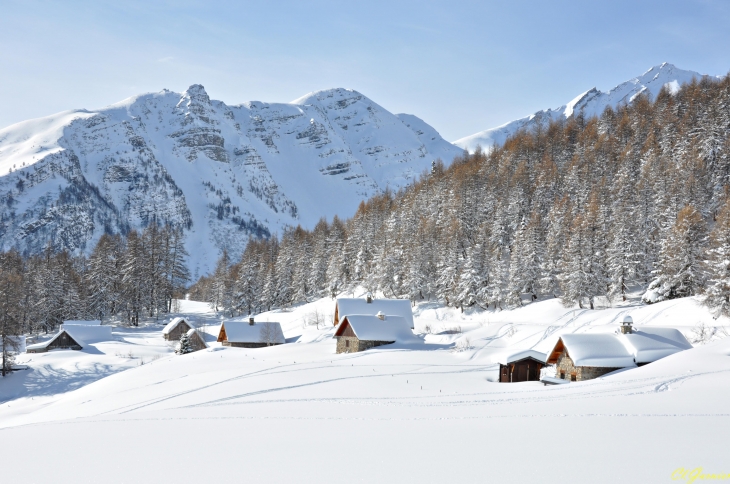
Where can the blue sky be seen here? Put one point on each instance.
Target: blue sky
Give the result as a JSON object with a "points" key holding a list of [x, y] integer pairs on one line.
{"points": [[462, 66]]}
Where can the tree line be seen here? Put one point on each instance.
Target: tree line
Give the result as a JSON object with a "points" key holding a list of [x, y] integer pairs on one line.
{"points": [[584, 209], [124, 277]]}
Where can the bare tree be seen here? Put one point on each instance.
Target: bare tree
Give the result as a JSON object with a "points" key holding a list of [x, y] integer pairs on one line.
{"points": [[270, 333]]}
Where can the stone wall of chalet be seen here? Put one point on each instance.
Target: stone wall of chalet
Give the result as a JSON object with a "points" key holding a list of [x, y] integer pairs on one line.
{"points": [[566, 370], [355, 345]]}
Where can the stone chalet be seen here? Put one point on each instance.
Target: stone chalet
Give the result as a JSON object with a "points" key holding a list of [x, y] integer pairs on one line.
{"points": [[370, 306], [359, 332], [175, 329], [196, 340], [241, 333], [579, 357]]}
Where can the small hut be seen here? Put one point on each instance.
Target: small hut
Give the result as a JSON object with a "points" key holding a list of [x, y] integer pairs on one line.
{"points": [[90, 333], [370, 306], [359, 332], [241, 333], [579, 357], [63, 340], [196, 340], [176, 328], [522, 366]]}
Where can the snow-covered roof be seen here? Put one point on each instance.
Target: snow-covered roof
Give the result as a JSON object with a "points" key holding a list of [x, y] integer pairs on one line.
{"points": [[371, 328], [389, 307], [602, 350], [651, 344], [192, 331], [618, 350], [240, 331], [508, 358], [173, 324], [88, 333], [45, 344], [83, 322]]}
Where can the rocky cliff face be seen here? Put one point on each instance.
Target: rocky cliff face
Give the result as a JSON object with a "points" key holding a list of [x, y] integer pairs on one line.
{"points": [[221, 172]]}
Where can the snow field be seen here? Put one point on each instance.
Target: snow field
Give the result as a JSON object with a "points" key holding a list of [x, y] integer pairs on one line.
{"points": [[400, 413]]}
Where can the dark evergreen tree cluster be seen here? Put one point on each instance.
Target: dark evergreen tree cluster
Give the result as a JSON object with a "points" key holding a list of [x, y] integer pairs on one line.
{"points": [[583, 209], [123, 278]]}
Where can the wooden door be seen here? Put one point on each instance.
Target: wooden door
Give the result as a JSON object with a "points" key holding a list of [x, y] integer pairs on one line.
{"points": [[521, 373], [504, 374]]}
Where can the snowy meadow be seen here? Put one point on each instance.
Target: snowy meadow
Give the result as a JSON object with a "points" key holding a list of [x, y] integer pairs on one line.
{"points": [[133, 411]]}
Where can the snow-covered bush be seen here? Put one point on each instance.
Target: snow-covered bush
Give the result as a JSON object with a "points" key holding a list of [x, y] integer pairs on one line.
{"points": [[462, 344], [702, 333], [548, 371]]}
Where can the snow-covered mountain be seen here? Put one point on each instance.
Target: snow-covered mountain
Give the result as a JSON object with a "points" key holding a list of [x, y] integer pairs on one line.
{"points": [[590, 103], [221, 172]]}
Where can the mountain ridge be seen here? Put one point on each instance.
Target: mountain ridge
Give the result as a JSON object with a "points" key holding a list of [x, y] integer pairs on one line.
{"points": [[222, 173], [591, 103]]}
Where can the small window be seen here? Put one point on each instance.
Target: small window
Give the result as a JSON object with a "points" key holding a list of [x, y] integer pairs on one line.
{"points": [[347, 343], [573, 377], [562, 375]]}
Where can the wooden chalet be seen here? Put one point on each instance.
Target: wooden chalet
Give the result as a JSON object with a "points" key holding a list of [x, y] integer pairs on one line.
{"points": [[64, 340], [370, 306], [176, 328], [579, 357], [359, 332], [239, 333], [522, 366]]}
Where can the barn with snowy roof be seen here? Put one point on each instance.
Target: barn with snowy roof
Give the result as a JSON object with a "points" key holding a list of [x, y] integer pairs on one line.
{"points": [[371, 306], [242, 333], [580, 357], [521, 366], [65, 339], [359, 332], [176, 328]]}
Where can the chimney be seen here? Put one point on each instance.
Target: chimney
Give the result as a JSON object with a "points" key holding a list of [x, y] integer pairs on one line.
{"points": [[369, 298], [250, 320], [626, 325], [381, 316]]}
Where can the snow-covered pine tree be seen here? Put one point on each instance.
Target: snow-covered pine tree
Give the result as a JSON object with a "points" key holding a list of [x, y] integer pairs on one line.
{"points": [[717, 292], [526, 261], [575, 281], [338, 274], [680, 269], [11, 276], [104, 276], [184, 346], [176, 271], [133, 277]]}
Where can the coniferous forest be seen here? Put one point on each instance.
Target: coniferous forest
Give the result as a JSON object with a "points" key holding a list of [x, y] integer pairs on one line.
{"points": [[586, 209]]}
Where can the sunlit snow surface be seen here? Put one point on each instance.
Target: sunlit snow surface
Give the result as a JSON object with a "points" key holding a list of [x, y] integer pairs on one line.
{"points": [[401, 413]]}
